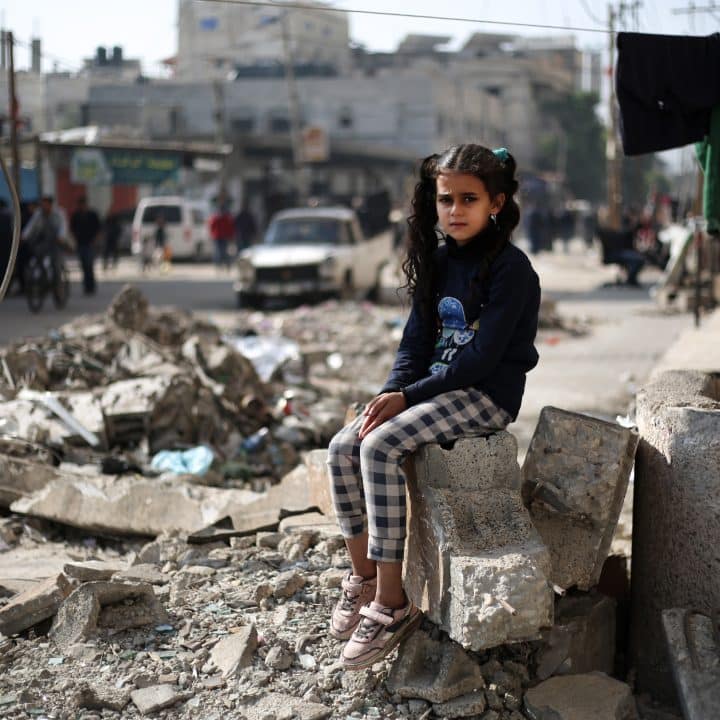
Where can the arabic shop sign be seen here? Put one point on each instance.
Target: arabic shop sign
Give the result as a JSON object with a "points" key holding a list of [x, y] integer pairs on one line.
{"points": [[93, 166]]}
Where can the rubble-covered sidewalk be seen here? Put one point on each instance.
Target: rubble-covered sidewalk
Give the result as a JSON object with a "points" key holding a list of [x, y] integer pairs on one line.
{"points": [[161, 558]]}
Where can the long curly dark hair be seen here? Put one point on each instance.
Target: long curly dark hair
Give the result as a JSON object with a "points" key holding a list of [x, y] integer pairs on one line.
{"points": [[497, 172]]}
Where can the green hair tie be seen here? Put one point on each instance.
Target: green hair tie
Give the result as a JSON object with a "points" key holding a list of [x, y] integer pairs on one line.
{"points": [[501, 154]]}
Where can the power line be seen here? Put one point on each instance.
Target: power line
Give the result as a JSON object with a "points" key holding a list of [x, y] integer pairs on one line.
{"points": [[384, 13], [590, 13], [58, 61]]}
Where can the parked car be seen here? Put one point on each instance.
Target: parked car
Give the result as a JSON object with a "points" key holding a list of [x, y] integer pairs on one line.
{"points": [[185, 226], [312, 253]]}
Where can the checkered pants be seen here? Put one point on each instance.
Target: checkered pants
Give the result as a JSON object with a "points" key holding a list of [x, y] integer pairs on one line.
{"points": [[366, 478]]}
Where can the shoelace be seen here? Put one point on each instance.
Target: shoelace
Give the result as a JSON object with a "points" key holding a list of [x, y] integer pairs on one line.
{"points": [[367, 628], [347, 601]]}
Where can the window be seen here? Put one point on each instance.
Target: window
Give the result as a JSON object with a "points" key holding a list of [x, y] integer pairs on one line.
{"points": [[279, 124], [307, 231], [345, 118], [171, 213], [245, 124]]}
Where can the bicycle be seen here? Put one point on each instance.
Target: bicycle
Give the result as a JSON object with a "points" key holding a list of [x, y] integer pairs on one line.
{"points": [[42, 276]]}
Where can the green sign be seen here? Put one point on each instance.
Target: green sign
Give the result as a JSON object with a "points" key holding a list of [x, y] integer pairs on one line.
{"points": [[94, 166], [141, 168]]}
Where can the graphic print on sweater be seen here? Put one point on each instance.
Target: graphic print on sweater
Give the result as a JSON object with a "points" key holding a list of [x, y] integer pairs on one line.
{"points": [[453, 335]]}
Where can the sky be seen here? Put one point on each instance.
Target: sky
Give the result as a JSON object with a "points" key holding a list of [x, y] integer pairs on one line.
{"points": [[146, 29]]}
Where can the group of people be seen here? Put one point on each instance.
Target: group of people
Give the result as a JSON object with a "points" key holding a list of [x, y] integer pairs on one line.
{"points": [[228, 230], [46, 231]]}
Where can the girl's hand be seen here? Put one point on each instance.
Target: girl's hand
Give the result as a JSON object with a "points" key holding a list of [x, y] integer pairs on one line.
{"points": [[382, 408]]}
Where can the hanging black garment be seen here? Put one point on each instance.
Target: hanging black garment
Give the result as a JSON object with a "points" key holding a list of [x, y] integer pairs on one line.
{"points": [[666, 87]]}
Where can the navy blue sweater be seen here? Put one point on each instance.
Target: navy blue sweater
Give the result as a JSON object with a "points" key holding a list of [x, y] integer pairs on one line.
{"points": [[482, 338]]}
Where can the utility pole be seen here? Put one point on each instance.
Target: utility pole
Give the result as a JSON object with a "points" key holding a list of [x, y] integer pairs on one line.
{"points": [[294, 111], [614, 186], [13, 106]]}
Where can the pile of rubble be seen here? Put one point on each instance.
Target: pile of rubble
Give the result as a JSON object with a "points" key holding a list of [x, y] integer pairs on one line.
{"points": [[225, 613], [240, 630]]}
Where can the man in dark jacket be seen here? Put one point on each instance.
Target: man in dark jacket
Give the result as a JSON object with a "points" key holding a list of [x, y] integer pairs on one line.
{"points": [[85, 227]]}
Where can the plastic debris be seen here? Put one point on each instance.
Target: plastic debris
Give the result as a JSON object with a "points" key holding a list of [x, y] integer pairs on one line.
{"points": [[195, 461]]}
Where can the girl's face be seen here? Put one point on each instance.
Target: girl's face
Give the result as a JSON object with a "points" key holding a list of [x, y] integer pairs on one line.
{"points": [[464, 205]]}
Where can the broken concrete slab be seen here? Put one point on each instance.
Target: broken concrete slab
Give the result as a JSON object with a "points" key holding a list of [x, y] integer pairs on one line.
{"points": [[478, 567], [235, 651], [575, 477], [319, 481], [101, 697], [694, 651], [128, 406], [144, 573], [582, 640], [35, 422], [468, 705], [323, 525], [291, 495], [156, 697], [131, 505], [91, 570], [433, 670], [279, 705], [23, 568], [20, 478], [34, 605], [105, 605], [593, 696]]}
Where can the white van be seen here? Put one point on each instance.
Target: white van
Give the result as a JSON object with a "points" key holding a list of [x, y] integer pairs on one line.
{"points": [[186, 230]]}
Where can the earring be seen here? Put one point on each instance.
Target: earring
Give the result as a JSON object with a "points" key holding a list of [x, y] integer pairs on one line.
{"points": [[493, 217]]}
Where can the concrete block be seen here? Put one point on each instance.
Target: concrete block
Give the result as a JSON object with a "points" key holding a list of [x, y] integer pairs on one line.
{"points": [[575, 477], [480, 463], [105, 605], [21, 478], [694, 651], [156, 697], [676, 517], [593, 696], [235, 651], [276, 705], [319, 481], [130, 505], [582, 640], [34, 605], [468, 705], [474, 562], [433, 670]]}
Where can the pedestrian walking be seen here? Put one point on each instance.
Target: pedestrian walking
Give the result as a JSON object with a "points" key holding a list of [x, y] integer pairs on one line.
{"points": [[111, 233], [85, 227], [245, 228], [222, 232], [459, 370]]}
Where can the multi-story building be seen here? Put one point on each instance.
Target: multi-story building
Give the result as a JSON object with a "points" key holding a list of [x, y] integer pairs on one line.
{"points": [[216, 38]]}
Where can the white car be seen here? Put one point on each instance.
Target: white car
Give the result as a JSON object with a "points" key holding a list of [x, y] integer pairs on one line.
{"points": [[312, 253], [186, 230]]}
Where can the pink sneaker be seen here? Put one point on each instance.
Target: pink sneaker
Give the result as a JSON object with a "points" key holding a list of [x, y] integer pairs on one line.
{"points": [[356, 592], [379, 631]]}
